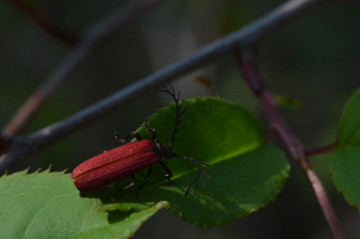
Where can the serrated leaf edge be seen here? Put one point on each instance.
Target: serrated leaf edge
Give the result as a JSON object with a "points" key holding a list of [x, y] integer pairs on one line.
{"points": [[39, 170], [231, 220]]}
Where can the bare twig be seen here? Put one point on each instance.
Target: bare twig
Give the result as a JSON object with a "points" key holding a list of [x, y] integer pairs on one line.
{"points": [[90, 39], [321, 150], [45, 21], [4, 145], [292, 144], [250, 35]]}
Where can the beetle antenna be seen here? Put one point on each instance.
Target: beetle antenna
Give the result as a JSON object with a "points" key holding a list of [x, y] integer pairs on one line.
{"points": [[179, 113]]}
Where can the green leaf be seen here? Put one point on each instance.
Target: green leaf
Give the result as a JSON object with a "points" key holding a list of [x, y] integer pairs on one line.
{"points": [[239, 186], [349, 129], [245, 174], [344, 164], [47, 205], [287, 102]]}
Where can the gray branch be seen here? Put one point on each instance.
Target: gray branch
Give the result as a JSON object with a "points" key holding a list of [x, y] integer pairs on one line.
{"points": [[249, 36], [90, 39]]}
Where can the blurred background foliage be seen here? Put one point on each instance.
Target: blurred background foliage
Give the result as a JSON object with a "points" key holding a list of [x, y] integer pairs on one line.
{"points": [[314, 60]]}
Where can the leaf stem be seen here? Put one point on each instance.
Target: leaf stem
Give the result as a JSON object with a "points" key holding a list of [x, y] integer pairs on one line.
{"points": [[45, 21], [321, 150], [251, 75]]}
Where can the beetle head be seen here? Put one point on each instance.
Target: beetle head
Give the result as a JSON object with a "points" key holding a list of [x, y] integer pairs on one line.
{"points": [[162, 150]]}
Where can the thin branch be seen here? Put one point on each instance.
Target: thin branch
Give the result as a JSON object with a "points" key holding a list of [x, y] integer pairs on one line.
{"points": [[321, 150], [90, 39], [4, 145], [45, 21], [250, 35], [292, 144]]}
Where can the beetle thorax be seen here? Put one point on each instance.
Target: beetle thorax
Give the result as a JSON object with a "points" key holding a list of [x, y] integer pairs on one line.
{"points": [[162, 150]]}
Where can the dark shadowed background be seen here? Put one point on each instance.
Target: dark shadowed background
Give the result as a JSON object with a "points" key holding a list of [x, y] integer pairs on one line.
{"points": [[315, 60]]}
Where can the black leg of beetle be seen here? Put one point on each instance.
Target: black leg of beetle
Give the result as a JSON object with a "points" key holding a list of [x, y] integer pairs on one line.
{"points": [[179, 113], [128, 137], [201, 166], [133, 180], [114, 194], [168, 174], [147, 179], [195, 181], [83, 193], [198, 163]]}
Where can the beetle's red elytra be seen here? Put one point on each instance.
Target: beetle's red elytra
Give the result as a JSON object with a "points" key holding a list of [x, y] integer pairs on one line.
{"points": [[114, 165], [128, 159]]}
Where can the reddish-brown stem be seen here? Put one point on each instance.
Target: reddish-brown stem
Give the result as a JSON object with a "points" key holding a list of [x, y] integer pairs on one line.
{"points": [[3, 144], [24, 113], [321, 150], [45, 21], [272, 135], [292, 144]]}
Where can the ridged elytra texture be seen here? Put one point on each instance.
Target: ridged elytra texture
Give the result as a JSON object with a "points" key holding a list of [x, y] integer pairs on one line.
{"points": [[114, 165]]}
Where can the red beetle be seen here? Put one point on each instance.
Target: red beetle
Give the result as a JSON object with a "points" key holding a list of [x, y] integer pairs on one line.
{"points": [[128, 159]]}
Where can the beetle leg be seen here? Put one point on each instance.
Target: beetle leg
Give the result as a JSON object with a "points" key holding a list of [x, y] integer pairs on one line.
{"points": [[201, 166], [133, 180], [169, 174], [147, 179], [195, 181], [127, 138], [83, 193]]}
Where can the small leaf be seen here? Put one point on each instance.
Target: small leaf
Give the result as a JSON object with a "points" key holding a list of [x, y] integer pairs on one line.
{"points": [[287, 102], [344, 164], [349, 129], [47, 205]]}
